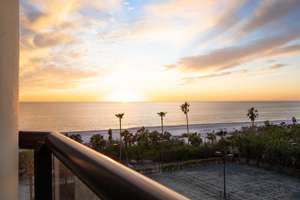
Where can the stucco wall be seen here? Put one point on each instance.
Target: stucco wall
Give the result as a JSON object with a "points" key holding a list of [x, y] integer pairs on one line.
{"points": [[9, 64]]}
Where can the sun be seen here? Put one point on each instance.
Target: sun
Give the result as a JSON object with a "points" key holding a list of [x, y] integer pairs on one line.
{"points": [[124, 96]]}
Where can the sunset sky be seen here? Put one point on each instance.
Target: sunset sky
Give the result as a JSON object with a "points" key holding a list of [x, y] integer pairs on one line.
{"points": [[143, 50]]}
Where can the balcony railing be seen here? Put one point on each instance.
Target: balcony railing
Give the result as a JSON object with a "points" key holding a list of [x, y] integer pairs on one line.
{"points": [[107, 178]]}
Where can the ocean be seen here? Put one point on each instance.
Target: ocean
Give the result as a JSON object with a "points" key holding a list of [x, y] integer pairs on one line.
{"points": [[95, 117]]}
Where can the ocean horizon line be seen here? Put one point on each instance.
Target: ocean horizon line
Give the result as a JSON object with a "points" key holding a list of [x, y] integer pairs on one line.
{"points": [[175, 101]]}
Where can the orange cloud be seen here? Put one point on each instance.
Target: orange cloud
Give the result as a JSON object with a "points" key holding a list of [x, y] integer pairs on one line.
{"points": [[277, 66], [232, 56], [52, 39], [286, 50], [53, 78]]}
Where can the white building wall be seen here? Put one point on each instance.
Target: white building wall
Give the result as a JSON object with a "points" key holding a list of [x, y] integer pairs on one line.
{"points": [[9, 64]]}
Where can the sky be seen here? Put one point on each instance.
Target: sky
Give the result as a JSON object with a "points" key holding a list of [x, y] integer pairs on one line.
{"points": [[159, 50]]}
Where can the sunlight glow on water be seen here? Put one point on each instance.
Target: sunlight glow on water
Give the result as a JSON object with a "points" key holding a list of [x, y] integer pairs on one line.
{"points": [[99, 116]]}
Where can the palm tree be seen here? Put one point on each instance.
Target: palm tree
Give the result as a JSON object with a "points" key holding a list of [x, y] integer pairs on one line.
{"points": [[142, 137], [97, 142], [267, 123], [185, 109], [154, 137], [110, 136], [166, 136], [127, 138], [211, 137], [252, 115], [120, 116], [195, 139], [294, 120], [162, 115]]}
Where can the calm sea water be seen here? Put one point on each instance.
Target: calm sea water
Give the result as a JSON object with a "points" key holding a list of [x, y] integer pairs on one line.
{"points": [[100, 116]]}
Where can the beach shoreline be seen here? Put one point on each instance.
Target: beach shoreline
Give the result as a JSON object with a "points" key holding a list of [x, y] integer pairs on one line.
{"points": [[177, 130]]}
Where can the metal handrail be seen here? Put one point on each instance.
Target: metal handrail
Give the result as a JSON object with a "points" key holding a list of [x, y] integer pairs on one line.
{"points": [[107, 178]]}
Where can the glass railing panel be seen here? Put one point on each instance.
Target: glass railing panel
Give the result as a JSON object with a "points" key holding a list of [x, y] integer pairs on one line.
{"points": [[66, 186], [26, 175]]}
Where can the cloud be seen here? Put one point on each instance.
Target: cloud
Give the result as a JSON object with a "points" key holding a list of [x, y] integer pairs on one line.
{"points": [[277, 66], [52, 39], [54, 13], [216, 12], [270, 11], [229, 16], [179, 22], [234, 55], [34, 15], [291, 49], [213, 75], [54, 77], [173, 22], [50, 14], [55, 23]]}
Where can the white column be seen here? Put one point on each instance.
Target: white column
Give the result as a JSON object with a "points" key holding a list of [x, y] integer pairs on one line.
{"points": [[9, 66]]}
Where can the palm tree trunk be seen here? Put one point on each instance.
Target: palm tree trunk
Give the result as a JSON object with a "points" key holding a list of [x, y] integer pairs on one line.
{"points": [[120, 122], [252, 123], [162, 125], [187, 126], [187, 123]]}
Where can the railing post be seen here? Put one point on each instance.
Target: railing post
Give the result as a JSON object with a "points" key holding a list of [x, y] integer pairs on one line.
{"points": [[42, 173]]}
